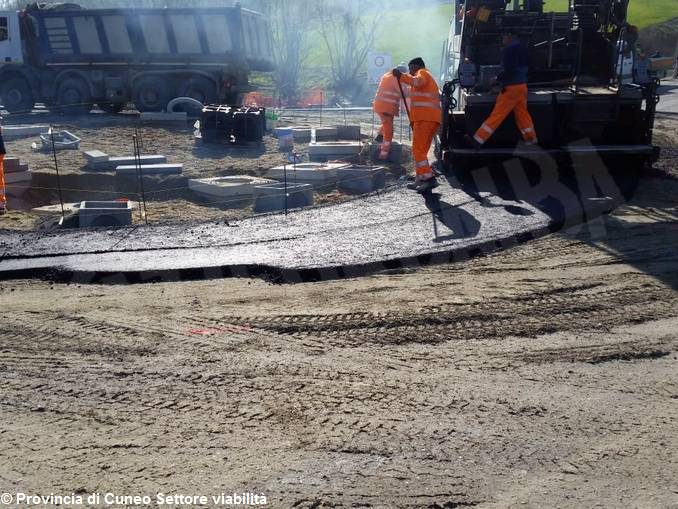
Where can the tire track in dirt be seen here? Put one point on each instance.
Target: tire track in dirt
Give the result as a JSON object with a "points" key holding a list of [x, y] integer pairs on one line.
{"points": [[597, 353], [569, 308]]}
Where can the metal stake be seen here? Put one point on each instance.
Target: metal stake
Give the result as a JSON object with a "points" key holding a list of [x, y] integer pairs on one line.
{"points": [[56, 167], [137, 160], [285, 180]]}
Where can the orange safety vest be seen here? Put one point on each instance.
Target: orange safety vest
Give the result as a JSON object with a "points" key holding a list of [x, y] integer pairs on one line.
{"points": [[388, 95], [424, 97]]}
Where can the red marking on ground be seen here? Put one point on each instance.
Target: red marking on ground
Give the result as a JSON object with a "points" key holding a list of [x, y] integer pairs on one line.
{"points": [[219, 330]]}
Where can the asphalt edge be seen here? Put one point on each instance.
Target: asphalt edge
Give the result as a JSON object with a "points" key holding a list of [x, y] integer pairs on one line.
{"points": [[278, 275]]}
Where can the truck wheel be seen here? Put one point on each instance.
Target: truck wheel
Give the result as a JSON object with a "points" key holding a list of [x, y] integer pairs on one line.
{"points": [[151, 94], [17, 96], [73, 97], [200, 89]]}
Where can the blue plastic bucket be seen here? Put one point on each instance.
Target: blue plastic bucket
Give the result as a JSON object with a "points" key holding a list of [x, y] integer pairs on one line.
{"points": [[285, 139]]}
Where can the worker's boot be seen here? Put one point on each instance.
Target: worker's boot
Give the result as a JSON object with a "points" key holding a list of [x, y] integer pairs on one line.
{"points": [[529, 144], [421, 186], [471, 142], [384, 150]]}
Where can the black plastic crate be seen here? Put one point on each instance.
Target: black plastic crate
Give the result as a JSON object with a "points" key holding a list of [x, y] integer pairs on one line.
{"points": [[230, 124]]}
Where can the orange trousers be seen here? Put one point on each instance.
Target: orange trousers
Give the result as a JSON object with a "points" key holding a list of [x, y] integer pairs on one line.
{"points": [[3, 198], [386, 130], [423, 132], [512, 99]]}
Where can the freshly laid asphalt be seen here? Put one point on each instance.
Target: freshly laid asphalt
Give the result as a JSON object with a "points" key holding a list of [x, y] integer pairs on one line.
{"points": [[389, 230]]}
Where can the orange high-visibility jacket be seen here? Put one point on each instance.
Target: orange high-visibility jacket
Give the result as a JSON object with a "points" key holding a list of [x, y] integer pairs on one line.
{"points": [[424, 100], [388, 95]]}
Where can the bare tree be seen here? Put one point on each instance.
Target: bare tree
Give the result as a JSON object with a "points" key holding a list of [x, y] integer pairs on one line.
{"points": [[290, 22], [348, 29]]}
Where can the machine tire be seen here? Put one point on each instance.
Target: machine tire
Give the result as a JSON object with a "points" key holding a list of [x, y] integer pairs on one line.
{"points": [[17, 96], [200, 89], [73, 97], [151, 94]]}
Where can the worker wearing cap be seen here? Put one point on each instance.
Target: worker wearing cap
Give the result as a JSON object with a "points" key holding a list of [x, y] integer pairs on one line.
{"points": [[513, 96], [3, 198], [387, 105], [425, 116]]}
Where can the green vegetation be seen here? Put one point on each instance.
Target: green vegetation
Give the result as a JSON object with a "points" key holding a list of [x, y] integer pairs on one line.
{"points": [[415, 32], [641, 12], [410, 32]]}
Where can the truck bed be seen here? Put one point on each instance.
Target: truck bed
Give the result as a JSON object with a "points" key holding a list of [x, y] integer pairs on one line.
{"points": [[210, 36]]}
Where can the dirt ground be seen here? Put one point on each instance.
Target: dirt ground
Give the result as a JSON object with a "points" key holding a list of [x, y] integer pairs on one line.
{"points": [[168, 199], [544, 376]]}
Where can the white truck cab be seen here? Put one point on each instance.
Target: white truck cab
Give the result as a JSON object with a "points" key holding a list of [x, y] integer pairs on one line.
{"points": [[10, 38]]}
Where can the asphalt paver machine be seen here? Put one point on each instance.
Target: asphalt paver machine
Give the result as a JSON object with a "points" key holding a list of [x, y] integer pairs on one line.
{"points": [[581, 95]]}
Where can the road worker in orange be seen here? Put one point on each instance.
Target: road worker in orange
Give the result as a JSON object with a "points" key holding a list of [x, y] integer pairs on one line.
{"points": [[425, 116], [387, 105], [513, 96], [3, 198]]}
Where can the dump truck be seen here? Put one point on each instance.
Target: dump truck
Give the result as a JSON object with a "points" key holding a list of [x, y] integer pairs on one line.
{"points": [[68, 57], [580, 96]]}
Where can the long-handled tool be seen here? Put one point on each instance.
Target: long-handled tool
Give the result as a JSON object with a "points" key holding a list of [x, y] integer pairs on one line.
{"points": [[402, 94]]}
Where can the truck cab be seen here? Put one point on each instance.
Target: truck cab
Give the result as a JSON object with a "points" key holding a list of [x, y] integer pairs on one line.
{"points": [[10, 38]]}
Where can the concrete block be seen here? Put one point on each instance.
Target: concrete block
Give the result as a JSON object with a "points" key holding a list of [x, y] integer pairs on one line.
{"points": [[11, 164], [271, 197], [361, 179], [155, 116], [105, 213], [12, 132], [303, 134], [59, 140], [150, 169], [325, 133], [235, 189], [69, 208], [55, 210], [348, 132], [394, 156], [321, 175], [327, 150], [321, 133], [95, 157], [113, 162]]}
